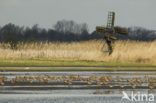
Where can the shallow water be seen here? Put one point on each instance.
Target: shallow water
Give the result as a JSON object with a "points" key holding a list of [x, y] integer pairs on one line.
{"points": [[70, 96], [9, 95]]}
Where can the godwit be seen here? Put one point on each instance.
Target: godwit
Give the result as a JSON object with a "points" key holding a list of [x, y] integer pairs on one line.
{"points": [[98, 83], [133, 86], [1, 82], [110, 85], [121, 86], [151, 85]]}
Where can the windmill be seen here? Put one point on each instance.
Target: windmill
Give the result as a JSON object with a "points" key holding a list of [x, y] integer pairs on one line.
{"points": [[109, 32]]}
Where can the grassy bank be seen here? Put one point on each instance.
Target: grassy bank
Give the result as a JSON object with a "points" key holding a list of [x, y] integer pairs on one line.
{"points": [[41, 62], [84, 69]]}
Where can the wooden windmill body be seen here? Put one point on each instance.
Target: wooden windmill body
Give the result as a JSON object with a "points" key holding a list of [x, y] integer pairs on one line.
{"points": [[109, 32]]}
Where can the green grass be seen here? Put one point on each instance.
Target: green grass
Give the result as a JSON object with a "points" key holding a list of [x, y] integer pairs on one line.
{"points": [[77, 69], [47, 62]]}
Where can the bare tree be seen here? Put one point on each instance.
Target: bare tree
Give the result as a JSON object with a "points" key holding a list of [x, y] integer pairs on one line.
{"points": [[65, 26]]}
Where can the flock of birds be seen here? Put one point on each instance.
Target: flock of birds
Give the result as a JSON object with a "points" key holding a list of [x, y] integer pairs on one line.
{"points": [[108, 81]]}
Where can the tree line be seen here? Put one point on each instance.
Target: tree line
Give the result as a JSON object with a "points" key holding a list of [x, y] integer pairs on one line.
{"points": [[65, 31]]}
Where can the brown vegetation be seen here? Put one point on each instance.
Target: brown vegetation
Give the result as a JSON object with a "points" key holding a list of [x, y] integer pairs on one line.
{"points": [[124, 51]]}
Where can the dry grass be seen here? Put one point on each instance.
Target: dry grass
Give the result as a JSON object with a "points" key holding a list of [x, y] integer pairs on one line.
{"points": [[124, 51]]}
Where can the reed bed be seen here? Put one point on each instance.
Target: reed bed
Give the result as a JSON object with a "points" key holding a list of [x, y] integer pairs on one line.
{"points": [[124, 51]]}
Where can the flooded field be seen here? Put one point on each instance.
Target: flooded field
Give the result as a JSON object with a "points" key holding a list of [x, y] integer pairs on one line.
{"points": [[75, 86]]}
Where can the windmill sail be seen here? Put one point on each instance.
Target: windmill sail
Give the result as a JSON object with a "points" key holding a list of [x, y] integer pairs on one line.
{"points": [[111, 19]]}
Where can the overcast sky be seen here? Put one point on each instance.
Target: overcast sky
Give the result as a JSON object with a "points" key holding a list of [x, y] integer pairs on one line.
{"points": [[93, 12]]}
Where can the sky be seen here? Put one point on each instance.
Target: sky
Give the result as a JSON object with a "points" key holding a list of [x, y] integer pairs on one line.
{"points": [[93, 12]]}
